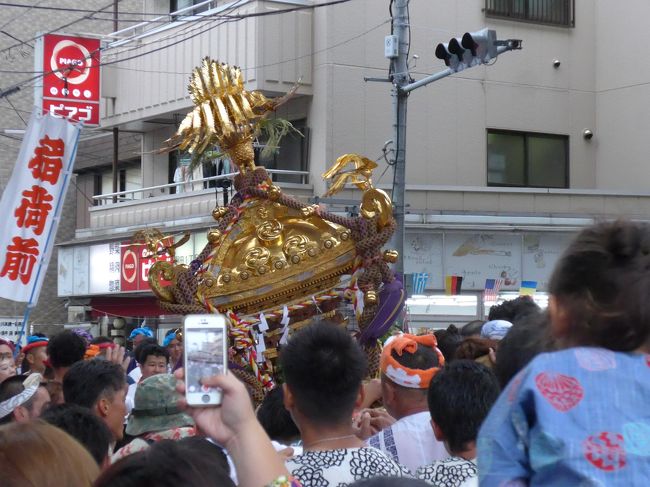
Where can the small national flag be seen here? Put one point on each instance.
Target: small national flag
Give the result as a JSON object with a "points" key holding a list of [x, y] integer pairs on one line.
{"points": [[420, 282], [528, 288], [492, 288], [453, 285]]}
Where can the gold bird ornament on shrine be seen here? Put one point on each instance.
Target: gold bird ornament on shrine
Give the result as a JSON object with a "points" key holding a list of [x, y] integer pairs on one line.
{"points": [[375, 202], [360, 174]]}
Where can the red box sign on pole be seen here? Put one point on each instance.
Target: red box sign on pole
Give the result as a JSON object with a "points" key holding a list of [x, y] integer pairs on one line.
{"points": [[71, 90], [130, 266]]}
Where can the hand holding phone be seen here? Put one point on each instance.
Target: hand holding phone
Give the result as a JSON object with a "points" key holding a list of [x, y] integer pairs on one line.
{"points": [[206, 354]]}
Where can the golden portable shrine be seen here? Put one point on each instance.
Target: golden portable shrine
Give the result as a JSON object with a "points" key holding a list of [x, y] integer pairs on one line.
{"points": [[272, 262]]}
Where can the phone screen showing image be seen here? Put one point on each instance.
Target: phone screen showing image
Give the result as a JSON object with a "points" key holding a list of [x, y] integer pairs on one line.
{"points": [[204, 349]]}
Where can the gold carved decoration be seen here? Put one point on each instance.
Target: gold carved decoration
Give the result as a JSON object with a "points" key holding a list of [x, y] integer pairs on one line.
{"points": [[286, 248], [158, 243], [269, 230], [257, 257], [359, 175], [375, 202], [296, 244], [167, 271]]}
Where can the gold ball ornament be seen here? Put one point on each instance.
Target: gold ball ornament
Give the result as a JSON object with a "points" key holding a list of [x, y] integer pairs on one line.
{"points": [[219, 212], [274, 192], [310, 210], [214, 236], [371, 297], [391, 256]]}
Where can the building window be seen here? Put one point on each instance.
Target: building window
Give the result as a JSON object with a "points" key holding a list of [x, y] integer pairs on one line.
{"points": [[293, 155], [176, 5], [527, 159], [552, 12], [97, 188]]}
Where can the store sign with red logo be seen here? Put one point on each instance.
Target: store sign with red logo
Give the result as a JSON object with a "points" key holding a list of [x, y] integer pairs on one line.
{"points": [[71, 89], [136, 262]]}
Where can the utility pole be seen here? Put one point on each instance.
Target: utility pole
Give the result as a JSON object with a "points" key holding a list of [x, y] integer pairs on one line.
{"points": [[474, 49], [116, 131], [400, 78]]}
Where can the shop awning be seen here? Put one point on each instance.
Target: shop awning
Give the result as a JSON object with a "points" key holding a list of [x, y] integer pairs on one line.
{"points": [[125, 307]]}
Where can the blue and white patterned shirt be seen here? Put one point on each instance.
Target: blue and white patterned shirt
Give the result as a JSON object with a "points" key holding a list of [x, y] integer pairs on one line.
{"points": [[577, 417]]}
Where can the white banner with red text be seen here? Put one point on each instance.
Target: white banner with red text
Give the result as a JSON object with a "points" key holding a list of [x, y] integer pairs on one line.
{"points": [[31, 205]]}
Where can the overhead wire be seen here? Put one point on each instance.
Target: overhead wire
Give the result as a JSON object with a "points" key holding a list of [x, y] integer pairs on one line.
{"points": [[72, 9], [231, 18], [176, 33], [153, 14], [81, 19], [24, 12], [57, 28], [235, 18], [15, 110], [41, 74]]}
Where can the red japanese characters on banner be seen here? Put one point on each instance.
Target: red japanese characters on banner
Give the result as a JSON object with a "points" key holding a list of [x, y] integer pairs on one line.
{"points": [[71, 89], [136, 261], [30, 204]]}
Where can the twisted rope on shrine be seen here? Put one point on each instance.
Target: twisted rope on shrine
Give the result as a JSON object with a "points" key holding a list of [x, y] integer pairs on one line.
{"points": [[244, 343]]}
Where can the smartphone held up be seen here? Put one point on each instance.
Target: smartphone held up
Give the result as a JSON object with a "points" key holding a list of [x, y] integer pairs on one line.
{"points": [[206, 354]]}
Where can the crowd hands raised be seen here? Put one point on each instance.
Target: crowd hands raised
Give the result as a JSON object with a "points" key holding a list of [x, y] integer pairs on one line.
{"points": [[529, 397]]}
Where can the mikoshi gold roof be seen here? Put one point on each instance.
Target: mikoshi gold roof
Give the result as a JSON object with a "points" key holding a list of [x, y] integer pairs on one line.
{"points": [[269, 256]]}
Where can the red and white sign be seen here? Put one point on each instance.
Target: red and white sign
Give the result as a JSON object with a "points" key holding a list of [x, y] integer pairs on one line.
{"points": [[31, 205], [71, 89], [136, 263]]}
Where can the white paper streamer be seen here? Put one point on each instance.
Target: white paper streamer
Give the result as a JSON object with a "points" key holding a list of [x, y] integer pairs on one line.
{"points": [[360, 297], [263, 326], [284, 339], [285, 315], [260, 348]]}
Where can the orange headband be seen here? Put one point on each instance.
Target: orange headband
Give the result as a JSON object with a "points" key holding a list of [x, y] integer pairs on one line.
{"points": [[404, 376], [93, 350]]}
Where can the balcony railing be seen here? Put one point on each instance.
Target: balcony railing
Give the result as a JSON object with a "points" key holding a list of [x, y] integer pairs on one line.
{"points": [[189, 186], [549, 12], [162, 22]]}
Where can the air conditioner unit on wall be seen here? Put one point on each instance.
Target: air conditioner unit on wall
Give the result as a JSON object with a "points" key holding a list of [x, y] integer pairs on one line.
{"points": [[76, 314]]}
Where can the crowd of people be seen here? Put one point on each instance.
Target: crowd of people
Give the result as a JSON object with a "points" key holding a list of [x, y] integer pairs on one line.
{"points": [[528, 397]]}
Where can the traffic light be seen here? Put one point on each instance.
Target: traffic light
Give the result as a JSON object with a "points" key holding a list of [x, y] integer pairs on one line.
{"points": [[472, 49], [453, 54]]}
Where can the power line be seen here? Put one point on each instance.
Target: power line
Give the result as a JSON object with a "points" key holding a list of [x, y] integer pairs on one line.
{"points": [[313, 53], [85, 17], [152, 14], [176, 33], [43, 74], [71, 9], [185, 38], [17, 112], [15, 38], [13, 19]]}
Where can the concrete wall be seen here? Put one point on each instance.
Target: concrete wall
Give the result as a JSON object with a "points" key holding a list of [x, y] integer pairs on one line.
{"points": [[273, 51], [622, 96], [447, 120]]}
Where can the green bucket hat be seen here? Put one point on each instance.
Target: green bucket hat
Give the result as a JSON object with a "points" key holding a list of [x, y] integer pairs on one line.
{"points": [[156, 407]]}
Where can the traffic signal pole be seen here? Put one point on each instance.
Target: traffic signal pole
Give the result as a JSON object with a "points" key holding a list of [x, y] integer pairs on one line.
{"points": [[474, 49], [400, 78]]}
